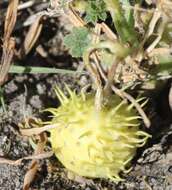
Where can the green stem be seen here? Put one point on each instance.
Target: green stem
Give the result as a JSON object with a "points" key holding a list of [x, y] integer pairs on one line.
{"points": [[41, 70], [124, 29]]}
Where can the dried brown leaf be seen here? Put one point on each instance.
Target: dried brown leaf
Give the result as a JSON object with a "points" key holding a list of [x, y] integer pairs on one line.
{"points": [[8, 41], [7, 55], [10, 19], [31, 37], [30, 174]]}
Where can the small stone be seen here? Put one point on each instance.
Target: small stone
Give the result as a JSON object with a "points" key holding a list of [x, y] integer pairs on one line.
{"points": [[40, 89], [36, 102]]}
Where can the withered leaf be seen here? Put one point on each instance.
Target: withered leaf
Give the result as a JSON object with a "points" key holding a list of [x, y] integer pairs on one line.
{"points": [[8, 41], [31, 37]]}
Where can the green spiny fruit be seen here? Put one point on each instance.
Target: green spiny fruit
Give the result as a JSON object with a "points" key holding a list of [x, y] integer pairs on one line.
{"points": [[91, 143]]}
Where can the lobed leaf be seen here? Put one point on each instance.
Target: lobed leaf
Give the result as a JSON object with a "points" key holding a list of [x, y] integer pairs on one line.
{"points": [[77, 41], [95, 10]]}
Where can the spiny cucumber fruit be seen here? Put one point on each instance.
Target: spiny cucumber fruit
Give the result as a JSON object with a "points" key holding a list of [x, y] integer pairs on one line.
{"points": [[91, 143]]}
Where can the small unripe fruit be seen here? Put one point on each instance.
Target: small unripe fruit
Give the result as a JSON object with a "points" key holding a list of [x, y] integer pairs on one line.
{"points": [[91, 143]]}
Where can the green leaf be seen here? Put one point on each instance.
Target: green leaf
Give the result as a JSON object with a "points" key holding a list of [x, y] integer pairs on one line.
{"points": [[77, 41], [123, 22], [95, 10], [40, 70], [128, 12]]}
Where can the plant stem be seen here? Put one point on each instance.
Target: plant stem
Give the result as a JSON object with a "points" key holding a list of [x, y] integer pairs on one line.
{"points": [[124, 29], [41, 70]]}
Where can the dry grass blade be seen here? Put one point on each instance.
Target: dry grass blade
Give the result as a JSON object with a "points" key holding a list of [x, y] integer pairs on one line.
{"points": [[8, 42], [124, 95], [7, 55], [10, 162], [105, 28], [10, 19], [19, 161], [31, 36], [37, 130], [74, 18], [29, 177]]}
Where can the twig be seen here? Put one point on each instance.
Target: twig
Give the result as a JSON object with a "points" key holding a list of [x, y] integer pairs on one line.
{"points": [[124, 94], [37, 130], [18, 162], [26, 5]]}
